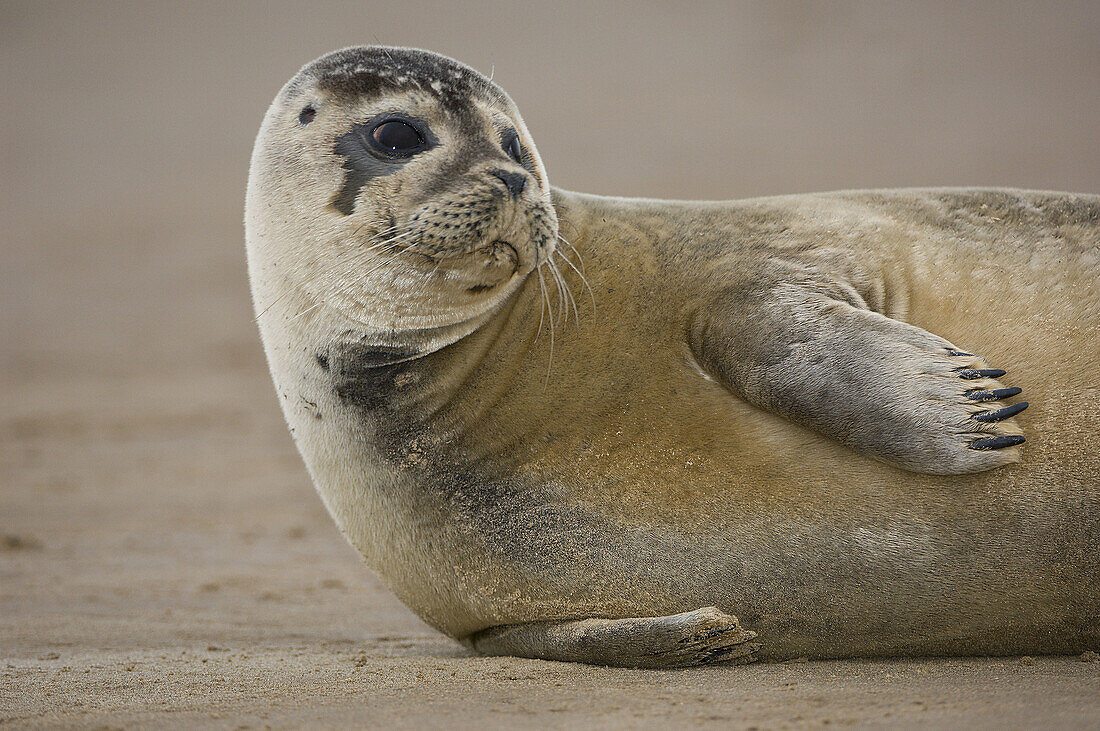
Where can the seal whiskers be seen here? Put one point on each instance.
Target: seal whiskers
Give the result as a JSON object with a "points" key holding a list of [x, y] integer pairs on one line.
{"points": [[549, 322], [579, 272]]}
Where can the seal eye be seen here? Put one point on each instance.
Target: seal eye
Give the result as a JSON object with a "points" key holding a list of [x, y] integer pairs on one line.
{"points": [[514, 149], [396, 138], [306, 116]]}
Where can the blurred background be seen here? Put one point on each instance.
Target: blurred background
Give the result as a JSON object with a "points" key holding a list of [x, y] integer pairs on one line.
{"points": [[149, 493]]}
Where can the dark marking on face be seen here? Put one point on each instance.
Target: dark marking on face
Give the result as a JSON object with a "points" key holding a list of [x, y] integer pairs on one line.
{"points": [[363, 163], [371, 71], [307, 115], [322, 360]]}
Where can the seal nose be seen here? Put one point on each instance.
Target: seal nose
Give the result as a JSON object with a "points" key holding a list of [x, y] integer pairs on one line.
{"points": [[515, 182]]}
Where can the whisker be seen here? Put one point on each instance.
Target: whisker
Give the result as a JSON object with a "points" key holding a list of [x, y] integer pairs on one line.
{"points": [[567, 295], [568, 291], [273, 303], [375, 243], [380, 232], [561, 288], [542, 308], [580, 274], [427, 280], [571, 248], [389, 260], [550, 323], [357, 277], [306, 311]]}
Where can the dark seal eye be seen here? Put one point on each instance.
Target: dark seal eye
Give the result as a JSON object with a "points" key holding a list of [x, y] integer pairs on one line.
{"points": [[514, 149], [396, 138], [307, 115]]}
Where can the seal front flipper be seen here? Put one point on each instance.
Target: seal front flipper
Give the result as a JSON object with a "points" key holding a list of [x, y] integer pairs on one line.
{"points": [[705, 636], [811, 353]]}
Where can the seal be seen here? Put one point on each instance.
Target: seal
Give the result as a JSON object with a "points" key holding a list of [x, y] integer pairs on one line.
{"points": [[659, 433]]}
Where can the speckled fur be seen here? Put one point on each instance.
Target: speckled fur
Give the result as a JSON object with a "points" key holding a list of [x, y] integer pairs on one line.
{"points": [[679, 450]]}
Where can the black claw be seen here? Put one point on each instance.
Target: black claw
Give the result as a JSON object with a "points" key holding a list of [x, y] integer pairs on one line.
{"points": [[997, 442], [952, 351], [999, 414], [995, 395], [971, 373]]}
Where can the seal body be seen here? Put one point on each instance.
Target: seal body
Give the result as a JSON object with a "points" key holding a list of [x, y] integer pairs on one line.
{"points": [[784, 407]]}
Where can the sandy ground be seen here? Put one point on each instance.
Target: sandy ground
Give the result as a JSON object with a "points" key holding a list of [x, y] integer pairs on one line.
{"points": [[163, 558]]}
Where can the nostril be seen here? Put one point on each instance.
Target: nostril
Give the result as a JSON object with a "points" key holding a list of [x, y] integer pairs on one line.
{"points": [[515, 182]]}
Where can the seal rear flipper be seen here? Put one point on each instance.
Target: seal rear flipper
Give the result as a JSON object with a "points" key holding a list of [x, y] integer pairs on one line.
{"points": [[883, 387], [705, 636]]}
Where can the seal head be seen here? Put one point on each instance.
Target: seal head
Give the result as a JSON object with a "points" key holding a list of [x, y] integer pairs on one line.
{"points": [[408, 193]]}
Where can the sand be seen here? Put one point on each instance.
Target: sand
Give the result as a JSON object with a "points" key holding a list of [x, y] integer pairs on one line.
{"points": [[163, 557]]}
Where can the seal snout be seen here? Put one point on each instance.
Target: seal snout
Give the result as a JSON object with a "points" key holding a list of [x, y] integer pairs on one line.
{"points": [[514, 182]]}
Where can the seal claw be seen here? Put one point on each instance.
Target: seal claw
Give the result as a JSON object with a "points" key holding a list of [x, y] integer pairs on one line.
{"points": [[1005, 413], [997, 442], [971, 373], [995, 395]]}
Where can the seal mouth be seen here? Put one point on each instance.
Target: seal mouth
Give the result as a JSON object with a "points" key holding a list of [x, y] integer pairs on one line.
{"points": [[502, 247], [500, 256]]}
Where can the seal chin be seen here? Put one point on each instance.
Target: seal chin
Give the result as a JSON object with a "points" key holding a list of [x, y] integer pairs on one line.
{"points": [[488, 268], [495, 265], [504, 253]]}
